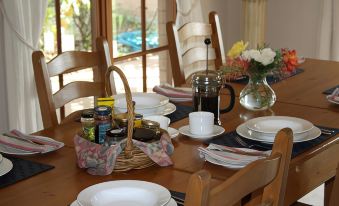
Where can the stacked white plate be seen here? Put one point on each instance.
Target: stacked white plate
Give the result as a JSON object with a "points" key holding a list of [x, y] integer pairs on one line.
{"points": [[5, 165], [146, 104], [265, 128], [125, 193]]}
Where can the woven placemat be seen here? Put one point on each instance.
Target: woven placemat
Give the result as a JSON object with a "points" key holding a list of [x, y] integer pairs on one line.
{"points": [[22, 169], [330, 90], [270, 79], [228, 139], [179, 197], [181, 112]]}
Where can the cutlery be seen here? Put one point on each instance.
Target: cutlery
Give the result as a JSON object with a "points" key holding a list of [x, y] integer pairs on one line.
{"points": [[238, 151], [178, 200], [251, 146], [326, 130]]}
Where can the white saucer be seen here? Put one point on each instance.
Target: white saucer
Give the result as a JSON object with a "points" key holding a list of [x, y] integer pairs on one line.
{"points": [[170, 203], [217, 130], [5, 166], [172, 132], [163, 110]]}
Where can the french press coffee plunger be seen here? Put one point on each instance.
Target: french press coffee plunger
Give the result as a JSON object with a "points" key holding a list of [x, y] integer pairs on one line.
{"points": [[206, 91]]}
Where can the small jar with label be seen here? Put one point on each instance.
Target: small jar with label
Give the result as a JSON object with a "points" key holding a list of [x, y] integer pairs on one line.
{"points": [[113, 136], [88, 124], [103, 121]]}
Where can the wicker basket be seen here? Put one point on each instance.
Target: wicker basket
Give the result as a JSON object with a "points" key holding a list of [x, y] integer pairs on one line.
{"points": [[132, 157]]}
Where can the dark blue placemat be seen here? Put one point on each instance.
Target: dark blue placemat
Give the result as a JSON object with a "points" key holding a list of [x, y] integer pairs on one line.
{"points": [[270, 79], [22, 169], [179, 197], [229, 139], [181, 112], [330, 91]]}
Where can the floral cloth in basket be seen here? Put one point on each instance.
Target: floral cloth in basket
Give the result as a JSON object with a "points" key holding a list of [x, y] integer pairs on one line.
{"points": [[100, 159]]}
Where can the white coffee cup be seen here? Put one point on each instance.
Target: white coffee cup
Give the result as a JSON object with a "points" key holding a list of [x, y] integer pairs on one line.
{"points": [[201, 123], [162, 120]]}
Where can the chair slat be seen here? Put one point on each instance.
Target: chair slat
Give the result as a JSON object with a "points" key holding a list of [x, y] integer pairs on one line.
{"points": [[75, 90], [71, 60], [194, 29], [197, 54]]}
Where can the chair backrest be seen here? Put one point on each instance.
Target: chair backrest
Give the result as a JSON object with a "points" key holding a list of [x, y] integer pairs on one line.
{"points": [[70, 61], [188, 51], [265, 179], [334, 198]]}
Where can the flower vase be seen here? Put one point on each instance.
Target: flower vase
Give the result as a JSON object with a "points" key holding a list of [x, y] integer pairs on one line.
{"points": [[257, 94]]}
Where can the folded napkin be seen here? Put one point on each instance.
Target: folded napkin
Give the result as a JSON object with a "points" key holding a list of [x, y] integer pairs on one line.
{"points": [[175, 94], [32, 143], [231, 157], [101, 159], [334, 96]]}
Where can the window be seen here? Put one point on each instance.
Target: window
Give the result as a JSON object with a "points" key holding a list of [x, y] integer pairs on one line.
{"points": [[140, 41], [136, 29]]}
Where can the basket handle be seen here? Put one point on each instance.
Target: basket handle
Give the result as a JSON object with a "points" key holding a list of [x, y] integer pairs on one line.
{"points": [[130, 108]]}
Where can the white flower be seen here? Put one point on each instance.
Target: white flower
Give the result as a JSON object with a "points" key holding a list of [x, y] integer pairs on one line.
{"points": [[248, 55], [267, 56]]}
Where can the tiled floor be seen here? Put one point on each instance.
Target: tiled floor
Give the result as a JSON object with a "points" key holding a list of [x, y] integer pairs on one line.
{"points": [[315, 198]]}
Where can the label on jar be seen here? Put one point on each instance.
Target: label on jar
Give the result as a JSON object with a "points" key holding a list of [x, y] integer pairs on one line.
{"points": [[101, 131]]}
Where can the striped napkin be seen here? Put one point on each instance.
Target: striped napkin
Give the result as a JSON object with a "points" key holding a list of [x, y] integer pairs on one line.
{"points": [[32, 143], [175, 94], [334, 96], [231, 157]]}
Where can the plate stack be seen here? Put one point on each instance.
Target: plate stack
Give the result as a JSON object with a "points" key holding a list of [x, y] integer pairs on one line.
{"points": [[5, 165], [146, 104], [264, 129], [125, 192]]}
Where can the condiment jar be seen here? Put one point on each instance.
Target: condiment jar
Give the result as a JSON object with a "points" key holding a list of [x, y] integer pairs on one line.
{"points": [[113, 136], [103, 121], [122, 120], [88, 124], [152, 125]]}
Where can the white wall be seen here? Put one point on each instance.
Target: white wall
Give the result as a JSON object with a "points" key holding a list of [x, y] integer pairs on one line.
{"points": [[294, 24], [290, 23]]}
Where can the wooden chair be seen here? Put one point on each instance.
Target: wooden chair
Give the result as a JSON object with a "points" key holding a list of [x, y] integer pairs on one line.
{"points": [[188, 51], [66, 62], [334, 198], [265, 179]]}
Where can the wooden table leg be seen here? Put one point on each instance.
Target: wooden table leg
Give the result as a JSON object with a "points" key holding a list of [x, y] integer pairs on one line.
{"points": [[328, 190]]}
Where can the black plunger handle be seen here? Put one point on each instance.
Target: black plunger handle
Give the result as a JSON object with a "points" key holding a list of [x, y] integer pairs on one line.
{"points": [[232, 101]]}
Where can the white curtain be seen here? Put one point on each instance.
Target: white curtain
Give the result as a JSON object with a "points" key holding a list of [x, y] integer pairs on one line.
{"points": [[329, 31], [189, 11], [20, 27]]}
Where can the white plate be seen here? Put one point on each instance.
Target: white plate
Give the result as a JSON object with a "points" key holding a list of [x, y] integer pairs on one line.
{"points": [[14, 151], [217, 130], [124, 193], [217, 162], [243, 131], [328, 97], [5, 166], [170, 203], [272, 124], [144, 102], [164, 110], [172, 132]]}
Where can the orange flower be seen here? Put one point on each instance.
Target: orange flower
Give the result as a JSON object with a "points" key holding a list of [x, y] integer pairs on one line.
{"points": [[290, 60]]}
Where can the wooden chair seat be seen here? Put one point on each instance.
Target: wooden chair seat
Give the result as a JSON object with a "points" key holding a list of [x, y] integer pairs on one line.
{"points": [[67, 62], [188, 51], [264, 179]]}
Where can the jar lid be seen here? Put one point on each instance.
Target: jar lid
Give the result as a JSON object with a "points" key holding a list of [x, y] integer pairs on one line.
{"points": [[116, 132], [207, 78], [150, 124], [123, 117], [103, 110], [88, 113]]}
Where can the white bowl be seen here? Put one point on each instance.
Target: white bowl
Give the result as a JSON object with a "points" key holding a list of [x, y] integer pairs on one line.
{"points": [[145, 103]]}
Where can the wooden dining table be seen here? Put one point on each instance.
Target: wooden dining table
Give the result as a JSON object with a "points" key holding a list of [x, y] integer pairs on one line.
{"points": [[299, 96]]}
